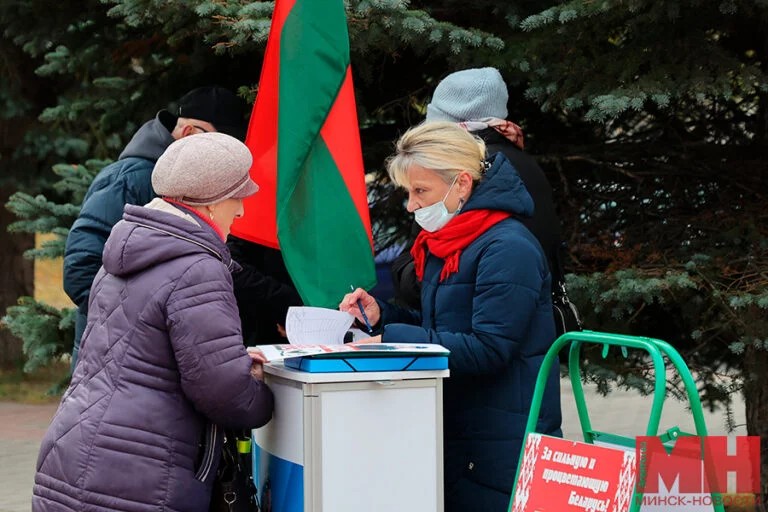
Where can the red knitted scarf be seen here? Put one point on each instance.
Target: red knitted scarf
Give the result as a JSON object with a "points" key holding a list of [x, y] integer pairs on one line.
{"points": [[448, 242]]}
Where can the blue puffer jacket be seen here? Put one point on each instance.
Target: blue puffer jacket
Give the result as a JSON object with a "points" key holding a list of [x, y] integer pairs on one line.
{"points": [[495, 316], [126, 181], [162, 369]]}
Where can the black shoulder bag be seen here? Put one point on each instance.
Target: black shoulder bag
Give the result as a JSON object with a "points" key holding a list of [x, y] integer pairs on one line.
{"points": [[566, 315], [233, 488]]}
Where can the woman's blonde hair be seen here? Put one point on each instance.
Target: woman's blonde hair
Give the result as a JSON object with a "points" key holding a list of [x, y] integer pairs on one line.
{"points": [[445, 148]]}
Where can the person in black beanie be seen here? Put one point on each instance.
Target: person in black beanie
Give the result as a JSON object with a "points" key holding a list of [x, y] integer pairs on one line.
{"points": [[128, 180], [476, 99]]}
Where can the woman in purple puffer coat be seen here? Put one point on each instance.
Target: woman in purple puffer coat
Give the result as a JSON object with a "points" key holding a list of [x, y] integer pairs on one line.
{"points": [[162, 365]]}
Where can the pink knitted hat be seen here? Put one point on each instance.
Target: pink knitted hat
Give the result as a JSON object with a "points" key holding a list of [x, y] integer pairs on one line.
{"points": [[203, 169]]}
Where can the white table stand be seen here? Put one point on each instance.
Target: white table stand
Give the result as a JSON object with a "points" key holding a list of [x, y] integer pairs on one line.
{"points": [[351, 442]]}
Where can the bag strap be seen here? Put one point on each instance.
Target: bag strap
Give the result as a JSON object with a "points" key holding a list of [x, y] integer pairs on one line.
{"points": [[558, 272]]}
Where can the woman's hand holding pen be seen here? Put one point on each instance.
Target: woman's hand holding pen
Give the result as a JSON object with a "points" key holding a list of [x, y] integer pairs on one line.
{"points": [[349, 304]]}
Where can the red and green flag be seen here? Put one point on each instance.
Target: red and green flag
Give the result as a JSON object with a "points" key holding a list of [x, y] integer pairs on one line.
{"points": [[304, 137]]}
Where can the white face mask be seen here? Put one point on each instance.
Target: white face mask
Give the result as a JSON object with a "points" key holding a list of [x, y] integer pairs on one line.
{"points": [[434, 217]]}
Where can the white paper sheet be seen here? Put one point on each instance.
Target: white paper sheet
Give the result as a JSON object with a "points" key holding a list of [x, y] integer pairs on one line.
{"points": [[312, 326]]}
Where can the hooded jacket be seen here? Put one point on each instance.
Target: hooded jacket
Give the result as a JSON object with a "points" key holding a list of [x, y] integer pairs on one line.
{"points": [[542, 220], [495, 316], [126, 181], [162, 370]]}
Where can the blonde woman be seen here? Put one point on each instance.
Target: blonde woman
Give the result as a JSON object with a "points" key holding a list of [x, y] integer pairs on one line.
{"points": [[485, 296]]}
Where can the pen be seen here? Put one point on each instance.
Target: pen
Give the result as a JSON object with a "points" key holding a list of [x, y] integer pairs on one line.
{"points": [[362, 312]]}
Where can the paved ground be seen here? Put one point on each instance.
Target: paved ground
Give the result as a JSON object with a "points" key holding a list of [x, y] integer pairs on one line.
{"points": [[22, 427]]}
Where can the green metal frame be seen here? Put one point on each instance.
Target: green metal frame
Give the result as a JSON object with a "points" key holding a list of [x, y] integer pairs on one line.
{"points": [[657, 349]]}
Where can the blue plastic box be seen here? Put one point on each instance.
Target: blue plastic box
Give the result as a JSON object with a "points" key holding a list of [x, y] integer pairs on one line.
{"points": [[345, 362]]}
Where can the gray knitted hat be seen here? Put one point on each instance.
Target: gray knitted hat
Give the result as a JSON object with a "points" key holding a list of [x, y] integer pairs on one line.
{"points": [[203, 169], [468, 95]]}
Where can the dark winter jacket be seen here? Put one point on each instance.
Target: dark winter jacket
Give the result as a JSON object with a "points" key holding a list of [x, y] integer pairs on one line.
{"points": [[162, 369], [263, 289], [126, 181], [543, 223], [495, 316]]}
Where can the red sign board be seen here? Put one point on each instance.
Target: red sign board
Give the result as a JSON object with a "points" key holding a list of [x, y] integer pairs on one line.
{"points": [[557, 475]]}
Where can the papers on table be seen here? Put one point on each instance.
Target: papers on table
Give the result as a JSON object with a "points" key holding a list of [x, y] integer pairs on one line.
{"points": [[320, 332], [280, 352]]}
